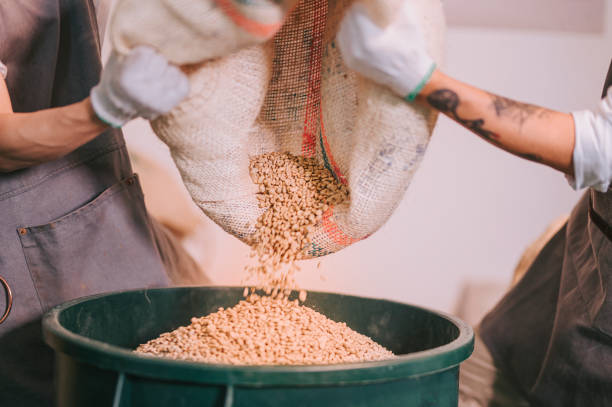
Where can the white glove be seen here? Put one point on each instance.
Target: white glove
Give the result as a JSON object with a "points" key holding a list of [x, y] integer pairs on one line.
{"points": [[394, 56], [139, 84]]}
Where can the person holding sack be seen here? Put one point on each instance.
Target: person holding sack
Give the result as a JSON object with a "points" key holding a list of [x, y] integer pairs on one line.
{"points": [[548, 342], [72, 216]]}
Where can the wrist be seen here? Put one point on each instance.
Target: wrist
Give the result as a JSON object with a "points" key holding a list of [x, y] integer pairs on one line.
{"points": [[92, 115], [434, 83], [417, 89], [107, 109]]}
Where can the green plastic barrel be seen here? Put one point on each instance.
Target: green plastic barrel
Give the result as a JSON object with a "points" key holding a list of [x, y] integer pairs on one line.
{"points": [[94, 337]]}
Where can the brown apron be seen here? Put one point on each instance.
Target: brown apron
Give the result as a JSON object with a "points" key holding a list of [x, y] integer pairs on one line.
{"points": [[552, 333], [68, 228]]}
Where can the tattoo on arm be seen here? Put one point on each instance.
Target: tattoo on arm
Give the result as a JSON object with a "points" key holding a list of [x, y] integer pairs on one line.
{"points": [[531, 157], [516, 111], [447, 101]]}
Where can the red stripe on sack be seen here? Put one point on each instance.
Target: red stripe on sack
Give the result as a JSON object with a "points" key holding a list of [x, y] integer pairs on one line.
{"points": [[309, 143], [313, 101], [333, 231], [250, 26]]}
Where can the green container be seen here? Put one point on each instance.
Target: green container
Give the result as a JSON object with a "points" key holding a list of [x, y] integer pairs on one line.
{"points": [[94, 337]]}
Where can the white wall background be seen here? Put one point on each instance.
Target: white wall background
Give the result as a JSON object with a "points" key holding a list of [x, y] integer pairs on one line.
{"points": [[472, 209], [561, 15]]}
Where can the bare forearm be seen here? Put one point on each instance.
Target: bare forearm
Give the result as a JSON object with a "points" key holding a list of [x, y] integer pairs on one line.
{"points": [[27, 139], [528, 131]]}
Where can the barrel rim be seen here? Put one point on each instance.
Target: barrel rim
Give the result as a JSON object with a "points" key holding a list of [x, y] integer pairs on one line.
{"points": [[111, 357]]}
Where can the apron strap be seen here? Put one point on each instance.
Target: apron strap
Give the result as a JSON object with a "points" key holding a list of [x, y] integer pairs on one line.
{"points": [[594, 216], [9, 299], [608, 82], [599, 221]]}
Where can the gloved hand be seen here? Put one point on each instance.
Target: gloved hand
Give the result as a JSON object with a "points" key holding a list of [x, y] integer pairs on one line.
{"points": [[394, 56], [140, 84]]}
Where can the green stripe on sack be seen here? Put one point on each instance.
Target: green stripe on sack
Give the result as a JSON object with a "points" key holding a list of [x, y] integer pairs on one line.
{"points": [[318, 251], [326, 158]]}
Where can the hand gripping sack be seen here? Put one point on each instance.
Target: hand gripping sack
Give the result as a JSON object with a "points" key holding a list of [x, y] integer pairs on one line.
{"points": [[294, 94]]}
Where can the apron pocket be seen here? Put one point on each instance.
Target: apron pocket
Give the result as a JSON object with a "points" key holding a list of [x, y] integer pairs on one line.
{"points": [[105, 245]]}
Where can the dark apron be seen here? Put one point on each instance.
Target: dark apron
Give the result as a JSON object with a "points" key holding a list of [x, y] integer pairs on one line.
{"points": [[552, 333], [68, 228]]}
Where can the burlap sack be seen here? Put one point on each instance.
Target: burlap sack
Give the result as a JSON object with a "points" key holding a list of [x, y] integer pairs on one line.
{"points": [[294, 94], [191, 31]]}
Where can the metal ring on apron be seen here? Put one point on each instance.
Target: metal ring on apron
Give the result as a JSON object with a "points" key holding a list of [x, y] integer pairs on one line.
{"points": [[9, 299]]}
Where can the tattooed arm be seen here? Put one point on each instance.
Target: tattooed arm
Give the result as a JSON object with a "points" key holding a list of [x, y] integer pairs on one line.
{"points": [[578, 144], [396, 56], [528, 131]]}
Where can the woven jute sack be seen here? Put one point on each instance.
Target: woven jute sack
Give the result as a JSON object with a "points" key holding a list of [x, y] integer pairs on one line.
{"points": [[294, 94], [191, 31]]}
